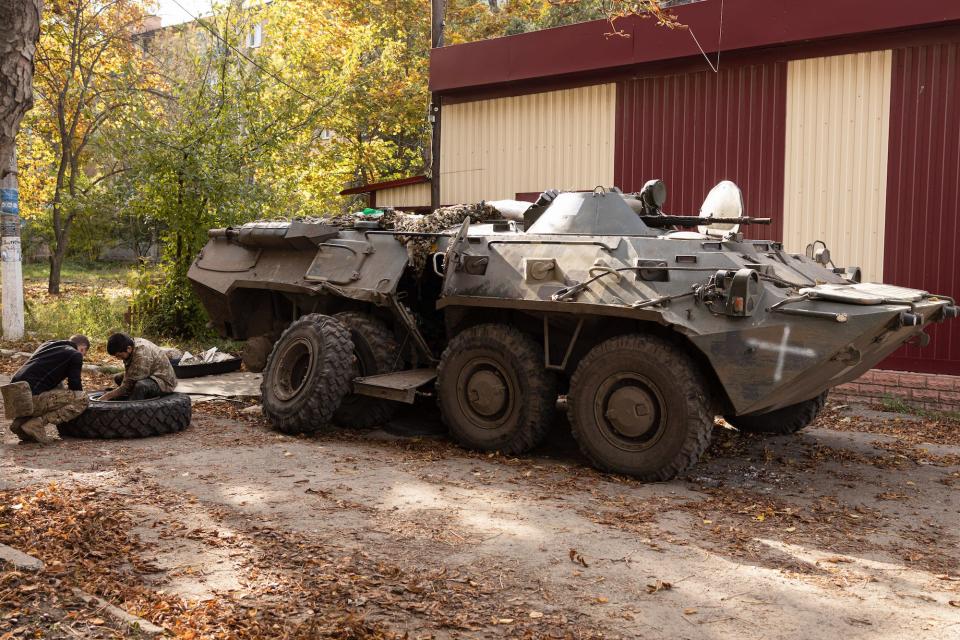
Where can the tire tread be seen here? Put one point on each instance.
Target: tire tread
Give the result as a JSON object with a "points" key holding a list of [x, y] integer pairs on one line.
{"points": [[383, 346], [131, 419], [783, 422], [687, 377], [325, 397], [542, 385]]}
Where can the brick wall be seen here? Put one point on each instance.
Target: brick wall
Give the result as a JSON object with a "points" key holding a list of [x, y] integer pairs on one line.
{"points": [[921, 390]]}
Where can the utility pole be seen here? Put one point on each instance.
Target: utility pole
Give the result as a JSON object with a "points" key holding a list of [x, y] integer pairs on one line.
{"points": [[11, 268], [437, 12]]}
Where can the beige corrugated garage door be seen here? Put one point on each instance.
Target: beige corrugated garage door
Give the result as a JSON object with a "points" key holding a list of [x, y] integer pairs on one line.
{"points": [[411, 195], [838, 119], [494, 149]]}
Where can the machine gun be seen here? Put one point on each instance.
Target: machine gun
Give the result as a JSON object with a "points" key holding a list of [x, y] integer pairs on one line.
{"points": [[695, 221]]}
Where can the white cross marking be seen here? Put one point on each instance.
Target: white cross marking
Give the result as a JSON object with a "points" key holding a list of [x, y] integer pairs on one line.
{"points": [[782, 349]]}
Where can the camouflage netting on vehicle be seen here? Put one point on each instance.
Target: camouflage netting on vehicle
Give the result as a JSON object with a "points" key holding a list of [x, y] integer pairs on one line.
{"points": [[419, 249]]}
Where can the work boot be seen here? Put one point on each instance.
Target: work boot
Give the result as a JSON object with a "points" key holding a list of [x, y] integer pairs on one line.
{"points": [[37, 430], [17, 427]]}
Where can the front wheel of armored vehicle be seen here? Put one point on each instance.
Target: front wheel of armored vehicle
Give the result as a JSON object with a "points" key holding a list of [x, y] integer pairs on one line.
{"points": [[376, 351], [783, 421], [494, 393], [639, 406], [308, 374]]}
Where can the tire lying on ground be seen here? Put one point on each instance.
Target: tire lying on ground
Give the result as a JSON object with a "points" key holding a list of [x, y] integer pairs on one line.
{"points": [[376, 351], [122, 419], [782, 421], [206, 368], [308, 374]]}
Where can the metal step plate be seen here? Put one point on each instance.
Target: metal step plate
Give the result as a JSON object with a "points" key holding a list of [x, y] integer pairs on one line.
{"points": [[400, 386]]}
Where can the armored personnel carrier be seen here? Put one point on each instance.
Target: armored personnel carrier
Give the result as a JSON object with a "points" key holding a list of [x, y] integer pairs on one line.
{"points": [[648, 328]]}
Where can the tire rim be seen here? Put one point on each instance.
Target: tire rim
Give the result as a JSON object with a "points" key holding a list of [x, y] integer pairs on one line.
{"points": [[294, 365], [630, 411], [486, 392]]}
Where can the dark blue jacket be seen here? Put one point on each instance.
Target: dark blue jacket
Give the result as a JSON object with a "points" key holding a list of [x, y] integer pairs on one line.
{"points": [[49, 365]]}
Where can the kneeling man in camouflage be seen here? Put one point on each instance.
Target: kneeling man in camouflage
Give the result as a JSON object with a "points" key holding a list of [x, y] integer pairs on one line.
{"points": [[45, 370], [147, 370]]}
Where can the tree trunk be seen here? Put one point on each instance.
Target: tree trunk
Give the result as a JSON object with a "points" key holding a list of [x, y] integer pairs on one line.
{"points": [[19, 31], [56, 265]]}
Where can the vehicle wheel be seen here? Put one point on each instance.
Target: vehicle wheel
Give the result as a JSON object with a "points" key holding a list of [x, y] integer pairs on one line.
{"points": [[494, 393], [255, 353], [308, 374], [122, 419], [639, 406], [782, 421], [376, 351]]}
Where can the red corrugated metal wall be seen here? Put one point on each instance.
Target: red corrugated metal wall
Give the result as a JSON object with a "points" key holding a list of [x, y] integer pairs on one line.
{"points": [[923, 191], [695, 129]]}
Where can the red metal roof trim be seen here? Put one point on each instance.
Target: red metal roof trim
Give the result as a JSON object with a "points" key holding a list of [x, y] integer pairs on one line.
{"points": [[388, 184], [923, 193], [587, 47]]}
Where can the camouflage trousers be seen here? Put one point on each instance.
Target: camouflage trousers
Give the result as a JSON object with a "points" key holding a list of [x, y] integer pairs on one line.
{"points": [[59, 405]]}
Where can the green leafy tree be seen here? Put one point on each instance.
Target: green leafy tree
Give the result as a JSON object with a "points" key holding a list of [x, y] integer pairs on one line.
{"points": [[202, 153], [88, 74]]}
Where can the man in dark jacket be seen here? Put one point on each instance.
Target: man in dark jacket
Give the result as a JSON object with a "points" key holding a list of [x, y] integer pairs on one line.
{"points": [[45, 370]]}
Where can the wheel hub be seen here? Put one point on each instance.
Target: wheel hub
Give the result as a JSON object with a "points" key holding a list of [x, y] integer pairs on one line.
{"points": [[292, 369], [486, 393], [631, 411]]}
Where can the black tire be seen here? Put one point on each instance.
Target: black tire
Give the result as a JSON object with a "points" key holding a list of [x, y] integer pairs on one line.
{"points": [[376, 351], [255, 353], [520, 411], [308, 374], [785, 421], [206, 368], [124, 419], [639, 406]]}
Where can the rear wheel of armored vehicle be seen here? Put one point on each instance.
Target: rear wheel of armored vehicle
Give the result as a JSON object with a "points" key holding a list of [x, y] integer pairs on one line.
{"points": [[308, 374], [376, 351], [638, 405], [783, 421], [494, 393]]}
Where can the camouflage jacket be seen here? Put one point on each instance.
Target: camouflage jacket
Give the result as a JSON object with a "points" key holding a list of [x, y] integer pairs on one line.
{"points": [[147, 361]]}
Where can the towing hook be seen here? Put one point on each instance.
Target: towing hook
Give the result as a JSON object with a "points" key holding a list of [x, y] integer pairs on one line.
{"points": [[908, 319]]}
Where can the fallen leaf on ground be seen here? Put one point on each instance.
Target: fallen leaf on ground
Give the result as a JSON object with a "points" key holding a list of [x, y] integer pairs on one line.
{"points": [[577, 558], [660, 585]]}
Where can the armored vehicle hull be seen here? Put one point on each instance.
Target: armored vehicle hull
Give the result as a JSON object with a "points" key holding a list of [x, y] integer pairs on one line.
{"points": [[648, 331]]}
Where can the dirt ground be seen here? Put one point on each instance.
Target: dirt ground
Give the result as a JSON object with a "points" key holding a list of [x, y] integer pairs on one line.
{"points": [[230, 530]]}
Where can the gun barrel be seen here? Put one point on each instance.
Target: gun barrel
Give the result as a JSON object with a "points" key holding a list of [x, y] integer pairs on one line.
{"points": [[694, 221]]}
